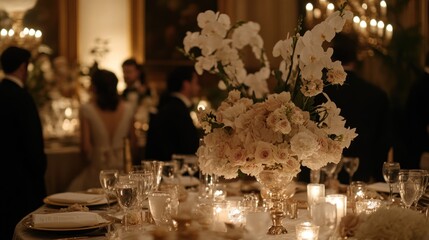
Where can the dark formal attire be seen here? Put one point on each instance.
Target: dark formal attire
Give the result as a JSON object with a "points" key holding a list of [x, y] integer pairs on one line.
{"points": [[23, 160], [171, 131], [366, 108], [417, 123]]}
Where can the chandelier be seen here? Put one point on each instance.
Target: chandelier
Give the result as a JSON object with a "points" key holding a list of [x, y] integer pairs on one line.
{"points": [[18, 34], [370, 21]]}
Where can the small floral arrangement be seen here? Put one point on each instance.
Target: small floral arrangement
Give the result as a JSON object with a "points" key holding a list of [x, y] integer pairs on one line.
{"points": [[254, 129], [394, 223]]}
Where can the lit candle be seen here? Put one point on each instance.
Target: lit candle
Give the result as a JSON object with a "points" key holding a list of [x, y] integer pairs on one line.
{"points": [[307, 231], [363, 26], [383, 8], [315, 193], [340, 202], [309, 12], [389, 32], [380, 27], [356, 21], [330, 9], [373, 26]]}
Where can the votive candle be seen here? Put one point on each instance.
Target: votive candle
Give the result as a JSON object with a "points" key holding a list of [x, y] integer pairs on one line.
{"points": [[315, 193], [307, 231]]}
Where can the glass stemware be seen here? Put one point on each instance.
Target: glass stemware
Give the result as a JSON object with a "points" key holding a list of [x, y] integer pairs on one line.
{"points": [[351, 164], [424, 183], [108, 179], [391, 176], [126, 192], [409, 186]]}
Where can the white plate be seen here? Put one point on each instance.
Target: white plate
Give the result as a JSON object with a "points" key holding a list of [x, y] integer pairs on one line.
{"points": [[61, 204], [382, 187], [29, 224]]}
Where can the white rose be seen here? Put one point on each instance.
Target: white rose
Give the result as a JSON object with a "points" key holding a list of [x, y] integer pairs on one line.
{"points": [[304, 144]]}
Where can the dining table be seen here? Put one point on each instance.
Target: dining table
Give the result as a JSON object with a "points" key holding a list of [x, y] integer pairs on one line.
{"points": [[146, 230]]}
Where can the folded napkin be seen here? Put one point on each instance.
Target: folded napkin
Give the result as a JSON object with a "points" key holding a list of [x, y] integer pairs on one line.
{"points": [[73, 197], [67, 220], [382, 187]]}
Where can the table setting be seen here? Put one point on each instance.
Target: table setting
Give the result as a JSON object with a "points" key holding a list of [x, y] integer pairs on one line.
{"points": [[266, 137]]}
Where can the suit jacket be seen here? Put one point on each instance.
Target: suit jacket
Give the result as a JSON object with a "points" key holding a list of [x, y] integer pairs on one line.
{"points": [[171, 131], [23, 161], [366, 108]]}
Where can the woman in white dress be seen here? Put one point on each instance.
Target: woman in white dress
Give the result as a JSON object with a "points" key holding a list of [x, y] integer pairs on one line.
{"points": [[104, 121]]}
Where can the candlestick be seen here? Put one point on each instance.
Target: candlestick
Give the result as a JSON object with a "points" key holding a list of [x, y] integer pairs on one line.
{"points": [[307, 231], [309, 13], [373, 26], [383, 8], [380, 28], [340, 202], [330, 9], [389, 32]]}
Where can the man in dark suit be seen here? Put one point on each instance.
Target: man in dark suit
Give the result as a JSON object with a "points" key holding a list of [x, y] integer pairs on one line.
{"points": [[23, 159], [171, 130], [366, 108]]}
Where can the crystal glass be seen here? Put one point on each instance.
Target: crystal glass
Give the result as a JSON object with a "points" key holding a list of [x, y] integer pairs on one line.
{"points": [[422, 189], [409, 186], [391, 176], [126, 192], [108, 179], [275, 181], [160, 207], [325, 216], [350, 164], [144, 180]]}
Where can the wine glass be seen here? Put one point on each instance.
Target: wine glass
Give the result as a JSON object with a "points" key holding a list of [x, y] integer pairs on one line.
{"points": [[409, 186], [351, 164], [424, 183], [391, 176], [108, 179], [126, 192]]}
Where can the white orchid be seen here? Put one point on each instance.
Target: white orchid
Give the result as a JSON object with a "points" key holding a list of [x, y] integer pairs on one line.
{"points": [[252, 129]]}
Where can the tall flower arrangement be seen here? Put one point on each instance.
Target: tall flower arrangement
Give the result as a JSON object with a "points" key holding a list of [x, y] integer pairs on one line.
{"points": [[254, 129]]}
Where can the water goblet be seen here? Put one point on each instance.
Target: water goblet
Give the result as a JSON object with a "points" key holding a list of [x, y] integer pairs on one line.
{"points": [[391, 176], [351, 164], [126, 191], [409, 186], [108, 179]]}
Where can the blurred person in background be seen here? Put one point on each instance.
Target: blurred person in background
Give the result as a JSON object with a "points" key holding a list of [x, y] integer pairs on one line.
{"points": [[135, 81], [21, 143], [417, 125], [172, 130], [104, 123], [365, 107]]}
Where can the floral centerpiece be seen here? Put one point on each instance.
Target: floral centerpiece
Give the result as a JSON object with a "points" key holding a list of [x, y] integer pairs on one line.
{"points": [[385, 223], [254, 129]]}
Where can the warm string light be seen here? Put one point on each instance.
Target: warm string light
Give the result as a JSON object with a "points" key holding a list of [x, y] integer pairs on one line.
{"points": [[369, 22]]}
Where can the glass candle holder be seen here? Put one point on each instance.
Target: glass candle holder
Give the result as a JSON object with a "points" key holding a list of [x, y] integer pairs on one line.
{"points": [[307, 231], [315, 193], [340, 202], [367, 206]]}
